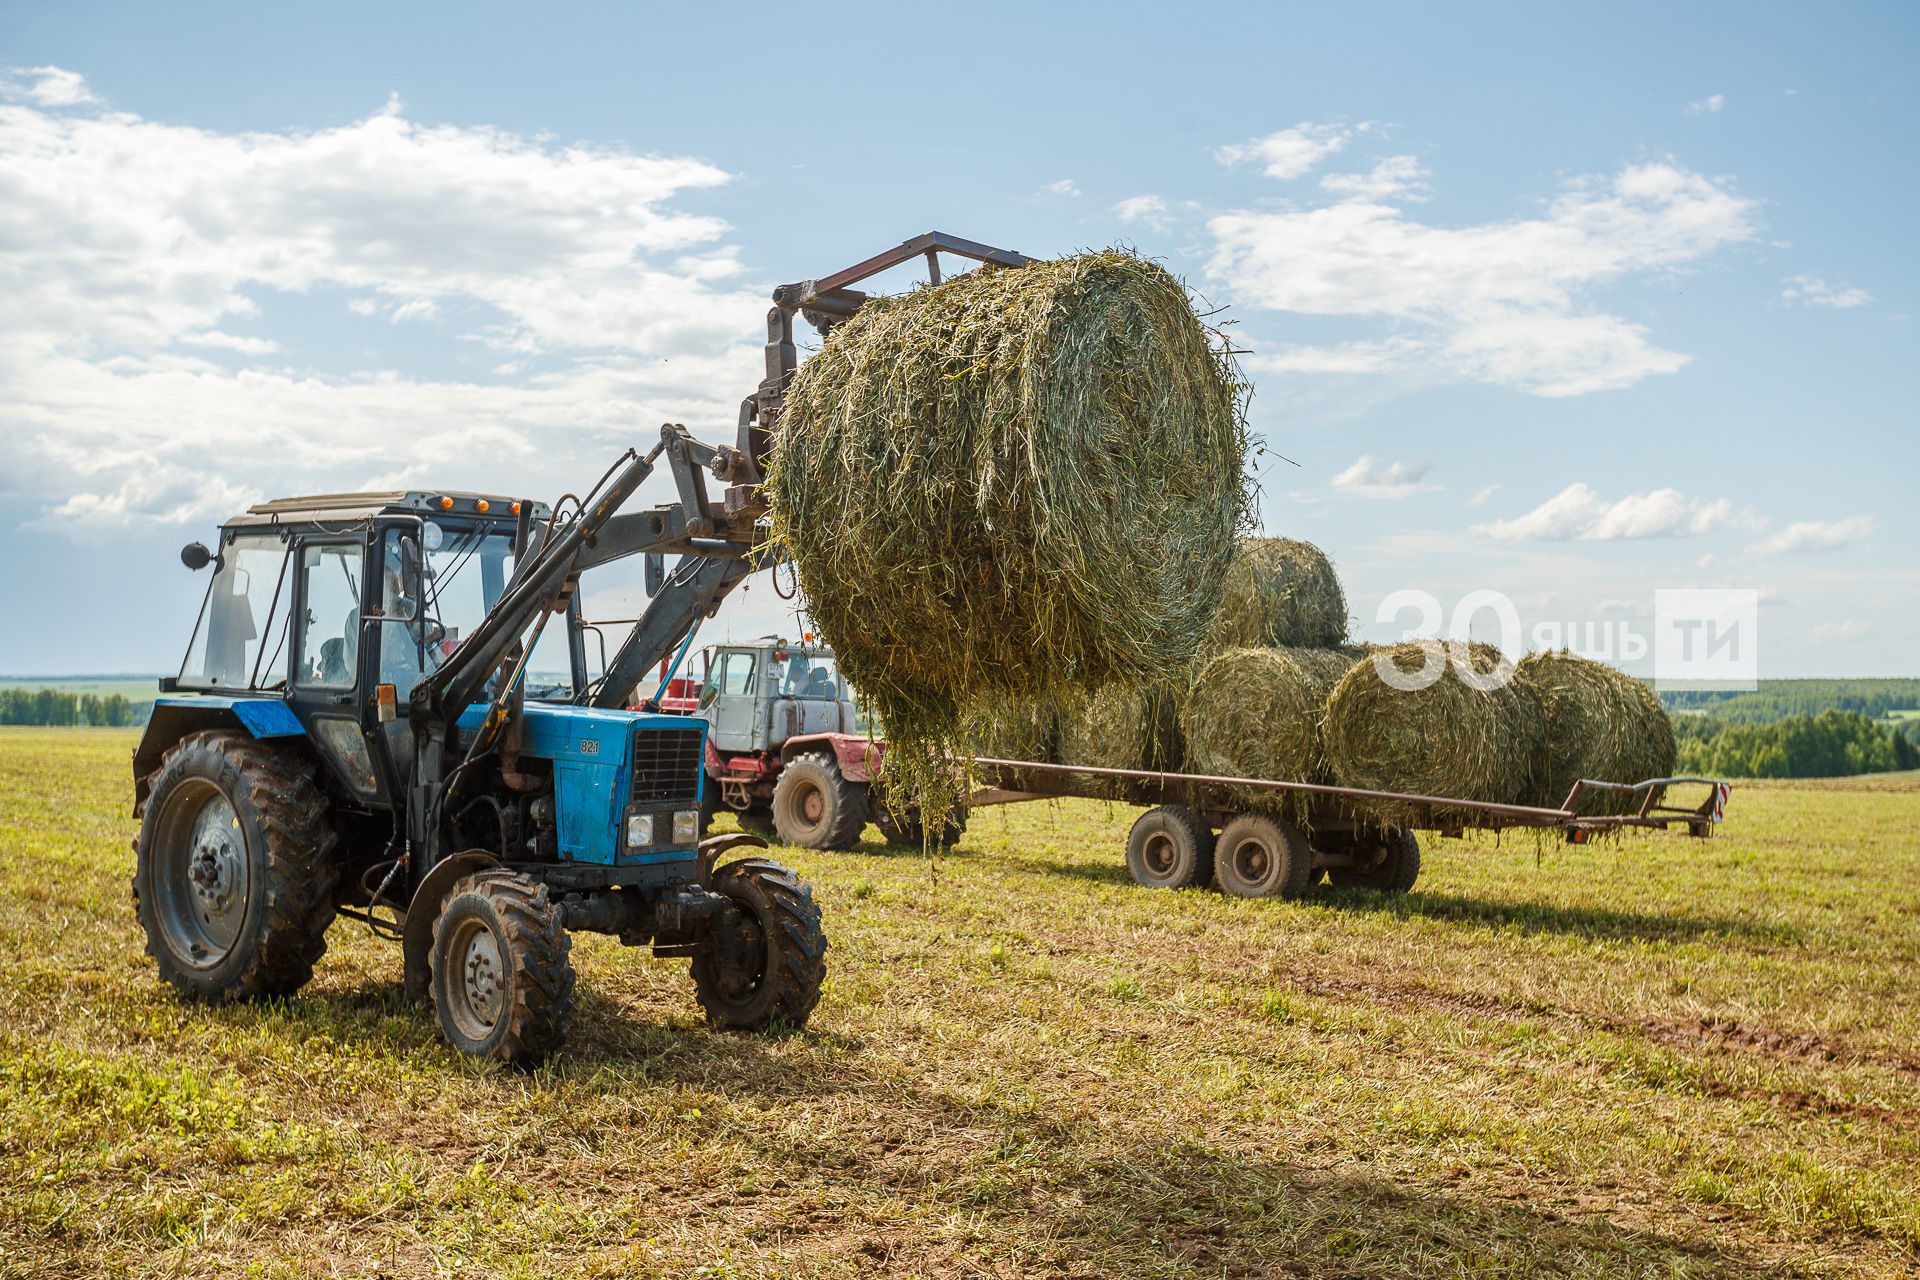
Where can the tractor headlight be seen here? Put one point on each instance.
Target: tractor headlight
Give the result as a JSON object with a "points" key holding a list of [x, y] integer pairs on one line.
{"points": [[639, 830], [686, 827]]}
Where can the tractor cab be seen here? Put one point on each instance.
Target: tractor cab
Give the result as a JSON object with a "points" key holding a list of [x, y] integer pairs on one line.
{"points": [[324, 612], [756, 697]]}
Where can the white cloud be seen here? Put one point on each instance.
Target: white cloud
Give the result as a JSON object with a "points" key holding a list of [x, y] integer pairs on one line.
{"points": [[1151, 210], [1707, 106], [1064, 187], [1480, 499], [1817, 535], [50, 87], [1578, 514], [1366, 478], [1290, 153], [1395, 176], [1500, 302], [1829, 632], [133, 249], [1812, 291]]}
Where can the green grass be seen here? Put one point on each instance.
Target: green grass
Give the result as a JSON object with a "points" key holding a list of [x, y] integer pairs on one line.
{"points": [[1646, 1057]]}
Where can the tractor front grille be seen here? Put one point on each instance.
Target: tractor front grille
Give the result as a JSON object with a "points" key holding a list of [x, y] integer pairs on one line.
{"points": [[666, 766]]}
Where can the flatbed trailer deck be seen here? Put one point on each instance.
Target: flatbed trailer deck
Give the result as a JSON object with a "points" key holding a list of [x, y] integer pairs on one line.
{"points": [[1260, 854]]}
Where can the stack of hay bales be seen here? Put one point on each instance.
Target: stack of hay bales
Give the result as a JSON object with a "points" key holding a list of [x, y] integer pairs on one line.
{"points": [[1011, 484]]}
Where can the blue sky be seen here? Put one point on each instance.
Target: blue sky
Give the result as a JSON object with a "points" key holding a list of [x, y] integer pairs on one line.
{"points": [[1569, 306]]}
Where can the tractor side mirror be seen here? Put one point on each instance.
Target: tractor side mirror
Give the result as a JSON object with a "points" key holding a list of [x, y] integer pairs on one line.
{"points": [[196, 556], [656, 573]]}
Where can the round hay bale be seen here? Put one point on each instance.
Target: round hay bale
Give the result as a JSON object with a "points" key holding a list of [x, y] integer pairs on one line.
{"points": [[1011, 729], [1124, 728], [1445, 739], [1255, 713], [1013, 482], [1283, 592], [1600, 723]]}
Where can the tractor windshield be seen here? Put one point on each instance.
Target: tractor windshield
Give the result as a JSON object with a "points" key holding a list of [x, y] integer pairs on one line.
{"points": [[240, 640], [807, 675]]}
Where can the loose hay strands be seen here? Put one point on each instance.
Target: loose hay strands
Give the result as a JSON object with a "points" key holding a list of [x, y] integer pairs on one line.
{"points": [[1012, 729], [1601, 724], [1446, 739], [1256, 713], [1015, 481], [1280, 592]]}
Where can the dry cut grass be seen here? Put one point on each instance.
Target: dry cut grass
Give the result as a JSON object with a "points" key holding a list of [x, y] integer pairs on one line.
{"points": [[1646, 1057]]}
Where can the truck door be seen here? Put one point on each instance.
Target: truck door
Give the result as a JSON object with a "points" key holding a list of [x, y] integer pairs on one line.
{"points": [[729, 702]]}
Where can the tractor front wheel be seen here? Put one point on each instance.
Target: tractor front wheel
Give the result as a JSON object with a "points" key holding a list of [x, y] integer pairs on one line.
{"points": [[815, 807], [765, 961], [502, 968], [234, 876]]}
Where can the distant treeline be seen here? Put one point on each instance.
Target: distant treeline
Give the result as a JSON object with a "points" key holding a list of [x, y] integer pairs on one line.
{"points": [[50, 706], [1833, 744], [1778, 699]]}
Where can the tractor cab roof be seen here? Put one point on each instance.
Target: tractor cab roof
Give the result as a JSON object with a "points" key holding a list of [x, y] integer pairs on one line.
{"points": [[335, 508]]}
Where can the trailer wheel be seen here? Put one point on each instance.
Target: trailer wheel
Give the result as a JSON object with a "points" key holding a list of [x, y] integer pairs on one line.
{"points": [[908, 833], [234, 875], [1262, 857], [502, 968], [1170, 848], [1398, 865], [815, 807], [766, 961]]}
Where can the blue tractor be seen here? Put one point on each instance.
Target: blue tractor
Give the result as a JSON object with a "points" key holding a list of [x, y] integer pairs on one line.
{"points": [[361, 728]]}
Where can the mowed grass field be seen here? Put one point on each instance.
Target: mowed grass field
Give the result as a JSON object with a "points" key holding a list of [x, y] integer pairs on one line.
{"points": [[1651, 1057]]}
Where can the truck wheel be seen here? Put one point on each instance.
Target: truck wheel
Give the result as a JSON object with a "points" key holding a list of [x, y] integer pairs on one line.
{"points": [[1170, 848], [1262, 857], [815, 807], [234, 876], [908, 833], [502, 972], [1398, 867], [765, 964]]}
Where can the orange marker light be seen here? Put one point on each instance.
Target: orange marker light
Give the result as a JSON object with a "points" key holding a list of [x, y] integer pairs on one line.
{"points": [[446, 504], [515, 508], [480, 505]]}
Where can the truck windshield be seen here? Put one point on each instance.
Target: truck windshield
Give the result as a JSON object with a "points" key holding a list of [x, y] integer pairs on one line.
{"points": [[239, 643], [807, 675]]}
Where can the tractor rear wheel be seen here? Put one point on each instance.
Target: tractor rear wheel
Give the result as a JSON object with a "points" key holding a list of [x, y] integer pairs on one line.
{"points": [[234, 876], [1397, 867], [1262, 857], [1170, 848], [765, 962], [502, 968], [815, 807]]}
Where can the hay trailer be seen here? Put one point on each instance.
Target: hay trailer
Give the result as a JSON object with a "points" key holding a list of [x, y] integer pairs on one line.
{"points": [[1260, 854]]}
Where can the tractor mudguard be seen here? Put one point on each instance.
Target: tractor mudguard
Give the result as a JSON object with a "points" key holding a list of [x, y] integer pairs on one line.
{"points": [[175, 718], [857, 757], [416, 939]]}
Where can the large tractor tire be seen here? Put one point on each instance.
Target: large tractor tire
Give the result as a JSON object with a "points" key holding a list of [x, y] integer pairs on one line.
{"points": [[1389, 863], [234, 875], [502, 968], [766, 962], [1170, 848], [1262, 857], [815, 807], [909, 832]]}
